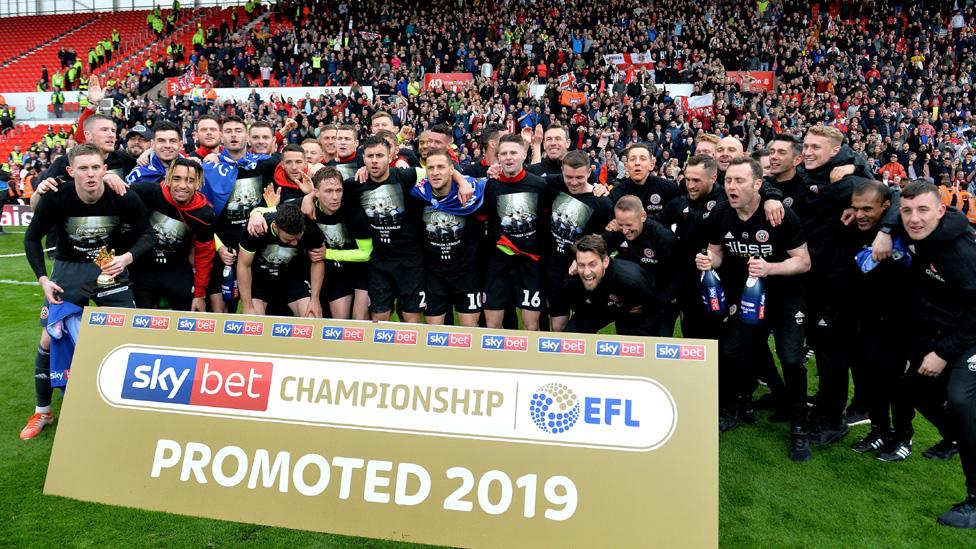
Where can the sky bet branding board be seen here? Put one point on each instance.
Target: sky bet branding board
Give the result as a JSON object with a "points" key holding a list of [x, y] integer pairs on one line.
{"points": [[460, 437]]}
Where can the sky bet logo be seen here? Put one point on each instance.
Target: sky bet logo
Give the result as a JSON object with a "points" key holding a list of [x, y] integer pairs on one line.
{"points": [[620, 348], [449, 339], [217, 383], [297, 331], [151, 322], [237, 327], [398, 337], [106, 319], [196, 325], [336, 333], [564, 346], [673, 351], [504, 343]]}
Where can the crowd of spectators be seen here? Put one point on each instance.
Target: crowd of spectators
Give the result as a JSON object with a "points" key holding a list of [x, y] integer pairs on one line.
{"points": [[896, 77]]}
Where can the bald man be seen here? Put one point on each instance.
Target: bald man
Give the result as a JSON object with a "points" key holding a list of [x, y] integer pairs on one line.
{"points": [[728, 149]]}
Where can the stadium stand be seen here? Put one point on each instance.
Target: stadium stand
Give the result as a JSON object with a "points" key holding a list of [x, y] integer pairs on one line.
{"points": [[34, 31]]}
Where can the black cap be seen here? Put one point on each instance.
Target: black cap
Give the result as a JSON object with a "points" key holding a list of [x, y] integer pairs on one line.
{"points": [[140, 130]]}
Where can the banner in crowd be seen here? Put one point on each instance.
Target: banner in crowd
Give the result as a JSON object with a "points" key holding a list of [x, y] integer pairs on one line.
{"points": [[626, 61], [184, 86], [16, 215], [698, 106], [750, 81], [567, 81], [447, 81], [443, 435], [572, 99]]}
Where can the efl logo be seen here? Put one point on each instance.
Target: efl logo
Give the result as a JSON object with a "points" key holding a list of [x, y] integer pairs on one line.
{"points": [[564, 346], [399, 337], [620, 348], [336, 333], [150, 322], [674, 351], [237, 327], [449, 339], [196, 325], [504, 343], [217, 383], [298, 331], [106, 319]]}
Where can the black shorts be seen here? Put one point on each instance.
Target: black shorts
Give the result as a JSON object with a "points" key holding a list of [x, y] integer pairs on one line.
{"points": [[78, 282], [444, 290], [388, 282], [279, 290], [513, 280], [343, 281], [176, 285], [557, 282], [217, 276]]}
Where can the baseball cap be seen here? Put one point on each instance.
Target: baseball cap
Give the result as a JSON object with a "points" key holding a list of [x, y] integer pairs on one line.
{"points": [[141, 130]]}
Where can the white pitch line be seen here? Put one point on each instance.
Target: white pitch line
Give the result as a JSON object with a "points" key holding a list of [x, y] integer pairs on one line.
{"points": [[18, 282], [22, 254]]}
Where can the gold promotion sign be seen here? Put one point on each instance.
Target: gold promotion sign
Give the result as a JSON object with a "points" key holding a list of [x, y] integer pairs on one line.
{"points": [[446, 435]]}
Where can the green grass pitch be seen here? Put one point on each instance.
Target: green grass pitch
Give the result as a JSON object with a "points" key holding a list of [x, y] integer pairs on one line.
{"points": [[839, 499]]}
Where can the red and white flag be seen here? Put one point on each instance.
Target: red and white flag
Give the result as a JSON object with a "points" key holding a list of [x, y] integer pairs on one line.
{"points": [[699, 106], [625, 61], [567, 81]]}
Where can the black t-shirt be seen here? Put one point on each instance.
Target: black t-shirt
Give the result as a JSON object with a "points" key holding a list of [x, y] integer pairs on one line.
{"points": [[349, 167], [248, 194], [741, 240], [571, 217], [393, 215], [624, 287], [113, 221], [546, 167], [342, 229], [654, 194], [450, 242], [655, 251], [794, 193], [174, 230], [273, 258], [477, 170], [513, 209]]}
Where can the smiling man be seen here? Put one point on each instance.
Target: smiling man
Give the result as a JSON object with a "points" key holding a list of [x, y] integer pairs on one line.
{"points": [[183, 224], [943, 350]]}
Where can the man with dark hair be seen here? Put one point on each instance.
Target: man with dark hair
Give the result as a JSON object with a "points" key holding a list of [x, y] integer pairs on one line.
{"points": [[100, 131], [137, 140], [745, 247], [276, 268], [943, 349], [88, 219], [261, 137], [450, 242], [575, 212], [488, 141], [437, 138], [180, 219], [348, 159], [555, 145], [234, 185], [396, 270], [512, 204], [327, 137], [654, 192], [876, 341], [166, 148], [608, 291], [291, 180], [785, 156], [653, 247]]}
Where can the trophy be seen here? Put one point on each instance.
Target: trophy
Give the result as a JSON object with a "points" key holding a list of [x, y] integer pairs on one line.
{"points": [[104, 256]]}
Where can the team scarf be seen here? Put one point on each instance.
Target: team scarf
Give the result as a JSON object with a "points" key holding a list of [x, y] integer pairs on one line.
{"points": [[450, 203], [220, 177], [899, 254], [155, 172]]}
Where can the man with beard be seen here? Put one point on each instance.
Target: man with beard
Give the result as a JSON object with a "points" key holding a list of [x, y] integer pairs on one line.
{"points": [[166, 148], [180, 218], [87, 219], [277, 268], [745, 247], [137, 140], [234, 186], [575, 211], [488, 141], [608, 291], [437, 138], [943, 351]]}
